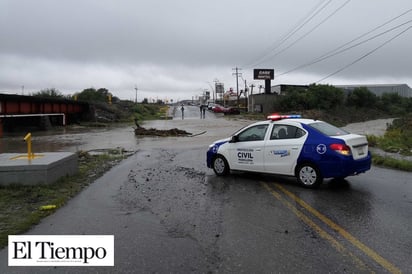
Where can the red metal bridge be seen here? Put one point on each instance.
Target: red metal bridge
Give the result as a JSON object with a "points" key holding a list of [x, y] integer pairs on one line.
{"points": [[19, 108]]}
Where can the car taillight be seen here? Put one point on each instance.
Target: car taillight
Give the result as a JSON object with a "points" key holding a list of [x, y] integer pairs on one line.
{"points": [[341, 148]]}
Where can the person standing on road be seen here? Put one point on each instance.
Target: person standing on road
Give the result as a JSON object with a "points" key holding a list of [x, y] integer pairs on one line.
{"points": [[183, 111], [202, 111]]}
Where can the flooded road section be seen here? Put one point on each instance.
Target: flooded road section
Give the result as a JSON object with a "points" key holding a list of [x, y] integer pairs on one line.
{"points": [[73, 139]]}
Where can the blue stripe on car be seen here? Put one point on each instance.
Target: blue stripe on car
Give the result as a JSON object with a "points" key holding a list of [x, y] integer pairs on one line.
{"points": [[212, 152]]}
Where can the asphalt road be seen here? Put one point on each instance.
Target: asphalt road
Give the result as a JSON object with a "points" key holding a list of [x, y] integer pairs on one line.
{"points": [[169, 213]]}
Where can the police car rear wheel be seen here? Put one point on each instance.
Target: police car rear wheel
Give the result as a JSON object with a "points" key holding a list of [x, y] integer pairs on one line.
{"points": [[308, 176], [220, 166]]}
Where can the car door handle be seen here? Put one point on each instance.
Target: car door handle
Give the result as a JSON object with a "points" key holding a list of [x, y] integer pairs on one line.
{"points": [[258, 149], [295, 148]]}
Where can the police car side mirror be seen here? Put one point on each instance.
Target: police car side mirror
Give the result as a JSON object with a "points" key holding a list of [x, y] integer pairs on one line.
{"points": [[234, 139]]}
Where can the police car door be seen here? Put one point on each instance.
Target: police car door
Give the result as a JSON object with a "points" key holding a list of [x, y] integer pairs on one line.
{"points": [[246, 153], [283, 149]]}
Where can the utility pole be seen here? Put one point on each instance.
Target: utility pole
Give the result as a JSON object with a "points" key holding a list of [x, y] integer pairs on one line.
{"points": [[237, 73], [135, 100], [250, 106], [260, 89], [214, 90]]}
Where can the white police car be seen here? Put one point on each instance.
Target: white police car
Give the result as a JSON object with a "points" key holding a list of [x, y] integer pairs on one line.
{"points": [[289, 145]]}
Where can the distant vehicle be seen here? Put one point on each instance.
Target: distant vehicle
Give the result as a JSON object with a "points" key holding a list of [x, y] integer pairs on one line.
{"points": [[210, 105], [310, 150], [218, 109]]}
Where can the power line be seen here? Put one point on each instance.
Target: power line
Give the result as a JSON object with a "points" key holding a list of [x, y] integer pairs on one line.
{"points": [[305, 34], [316, 10], [365, 55], [301, 26], [338, 50], [310, 31]]}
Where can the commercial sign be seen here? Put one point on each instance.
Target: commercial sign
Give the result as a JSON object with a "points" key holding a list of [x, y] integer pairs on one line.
{"points": [[219, 87], [263, 74]]}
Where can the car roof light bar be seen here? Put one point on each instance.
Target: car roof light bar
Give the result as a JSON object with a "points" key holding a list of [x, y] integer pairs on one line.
{"points": [[276, 116]]}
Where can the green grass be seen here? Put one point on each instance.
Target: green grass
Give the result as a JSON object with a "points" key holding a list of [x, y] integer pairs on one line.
{"points": [[392, 163], [397, 139], [149, 111], [20, 206]]}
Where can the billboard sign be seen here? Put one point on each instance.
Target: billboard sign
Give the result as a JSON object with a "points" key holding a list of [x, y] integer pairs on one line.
{"points": [[219, 87], [263, 74]]}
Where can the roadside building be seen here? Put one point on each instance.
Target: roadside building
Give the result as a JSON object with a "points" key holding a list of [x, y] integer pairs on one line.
{"points": [[402, 90], [263, 102]]}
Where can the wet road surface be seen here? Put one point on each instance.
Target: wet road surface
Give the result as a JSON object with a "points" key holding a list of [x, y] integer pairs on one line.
{"points": [[170, 214]]}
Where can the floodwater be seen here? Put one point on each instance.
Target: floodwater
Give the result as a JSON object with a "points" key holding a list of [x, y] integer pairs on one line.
{"points": [[73, 139]]}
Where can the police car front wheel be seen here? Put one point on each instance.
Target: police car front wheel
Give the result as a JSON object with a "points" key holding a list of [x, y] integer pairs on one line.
{"points": [[220, 166], [309, 176]]}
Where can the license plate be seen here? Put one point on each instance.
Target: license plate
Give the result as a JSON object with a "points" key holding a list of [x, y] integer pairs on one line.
{"points": [[361, 151]]}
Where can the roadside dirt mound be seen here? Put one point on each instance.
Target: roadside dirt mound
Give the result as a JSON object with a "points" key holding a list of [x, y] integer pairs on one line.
{"points": [[160, 132]]}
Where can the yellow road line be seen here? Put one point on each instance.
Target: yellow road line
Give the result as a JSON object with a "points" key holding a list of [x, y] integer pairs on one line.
{"points": [[338, 246], [365, 249]]}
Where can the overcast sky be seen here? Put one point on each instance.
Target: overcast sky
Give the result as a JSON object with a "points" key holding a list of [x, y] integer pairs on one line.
{"points": [[174, 49]]}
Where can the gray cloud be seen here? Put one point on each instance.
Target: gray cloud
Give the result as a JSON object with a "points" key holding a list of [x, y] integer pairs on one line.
{"points": [[173, 48]]}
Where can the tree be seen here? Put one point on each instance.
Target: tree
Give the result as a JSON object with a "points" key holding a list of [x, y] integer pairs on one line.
{"points": [[361, 97], [314, 97], [93, 95], [395, 104], [49, 93], [325, 96]]}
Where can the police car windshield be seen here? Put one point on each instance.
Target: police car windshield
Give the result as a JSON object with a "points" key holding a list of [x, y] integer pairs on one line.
{"points": [[239, 130], [328, 129]]}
